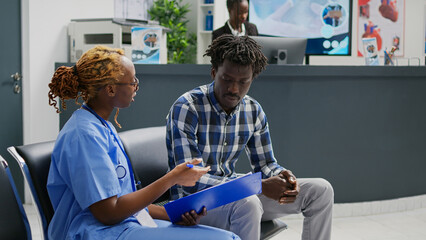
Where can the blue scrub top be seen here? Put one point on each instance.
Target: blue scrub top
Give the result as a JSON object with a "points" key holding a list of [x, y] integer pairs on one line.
{"points": [[83, 172]]}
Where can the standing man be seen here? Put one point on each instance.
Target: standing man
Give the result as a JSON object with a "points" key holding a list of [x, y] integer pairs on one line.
{"points": [[237, 24], [217, 122]]}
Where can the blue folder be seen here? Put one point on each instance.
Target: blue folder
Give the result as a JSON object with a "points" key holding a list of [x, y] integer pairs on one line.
{"points": [[215, 196]]}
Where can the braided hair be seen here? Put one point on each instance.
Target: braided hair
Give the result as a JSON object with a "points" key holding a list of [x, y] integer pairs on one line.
{"points": [[96, 68], [241, 50]]}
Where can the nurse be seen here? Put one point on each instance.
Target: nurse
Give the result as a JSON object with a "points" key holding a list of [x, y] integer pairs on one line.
{"points": [[90, 183]]}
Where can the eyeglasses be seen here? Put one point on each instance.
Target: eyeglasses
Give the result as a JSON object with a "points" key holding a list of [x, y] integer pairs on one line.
{"points": [[134, 84]]}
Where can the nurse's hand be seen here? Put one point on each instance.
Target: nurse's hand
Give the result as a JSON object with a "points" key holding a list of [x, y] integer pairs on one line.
{"points": [[188, 176], [192, 218]]}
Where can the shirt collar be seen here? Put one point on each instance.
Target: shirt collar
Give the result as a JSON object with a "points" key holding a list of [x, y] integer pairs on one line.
{"points": [[215, 103], [235, 32]]}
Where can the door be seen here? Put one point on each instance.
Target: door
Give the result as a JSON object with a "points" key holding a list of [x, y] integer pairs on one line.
{"points": [[10, 84]]}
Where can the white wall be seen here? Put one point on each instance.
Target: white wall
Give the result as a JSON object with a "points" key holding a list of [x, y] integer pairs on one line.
{"points": [[45, 42], [192, 24]]}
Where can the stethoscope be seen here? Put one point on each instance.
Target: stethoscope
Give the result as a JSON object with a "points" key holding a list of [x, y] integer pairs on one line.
{"points": [[120, 169]]}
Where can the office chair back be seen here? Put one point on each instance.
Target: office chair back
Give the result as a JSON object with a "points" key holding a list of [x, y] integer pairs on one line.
{"points": [[34, 161], [146, 148], [13, 219]]}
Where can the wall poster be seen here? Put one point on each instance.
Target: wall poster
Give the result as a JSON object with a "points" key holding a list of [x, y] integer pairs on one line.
{"points": [[384, 20], [146, 45]]}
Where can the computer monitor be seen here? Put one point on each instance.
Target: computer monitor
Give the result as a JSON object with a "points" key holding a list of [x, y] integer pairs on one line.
{"points": [[280, 50]]}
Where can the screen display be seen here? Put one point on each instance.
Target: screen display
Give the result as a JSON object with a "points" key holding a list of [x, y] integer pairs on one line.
{"points": [[280, 50], [325, 23]]}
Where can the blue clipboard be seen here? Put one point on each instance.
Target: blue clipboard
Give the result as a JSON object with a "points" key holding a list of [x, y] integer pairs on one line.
{"points": [[215, 196]]}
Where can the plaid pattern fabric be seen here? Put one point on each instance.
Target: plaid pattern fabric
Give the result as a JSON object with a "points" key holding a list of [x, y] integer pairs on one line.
{"points": [[197, 127]]}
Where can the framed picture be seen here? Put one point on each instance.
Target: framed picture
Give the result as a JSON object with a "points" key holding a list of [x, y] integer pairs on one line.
{"points": [[146, 45]]}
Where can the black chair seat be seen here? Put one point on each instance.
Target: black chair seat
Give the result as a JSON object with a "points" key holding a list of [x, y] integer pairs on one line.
{"points": [[34, 161], [13, 219], [147, 151], [271, 228]]}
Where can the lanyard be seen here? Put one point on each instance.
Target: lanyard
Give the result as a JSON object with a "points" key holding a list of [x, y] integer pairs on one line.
{"points": [[119, 169]]}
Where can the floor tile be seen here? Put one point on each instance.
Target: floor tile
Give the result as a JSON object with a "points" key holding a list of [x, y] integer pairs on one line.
{"points": [[407, 225]]}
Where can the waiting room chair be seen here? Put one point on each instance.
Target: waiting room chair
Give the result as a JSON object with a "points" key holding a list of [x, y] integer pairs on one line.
{"points": [[34, 161], [268, 229], [13, 219], [147, 151], [146, 148]]}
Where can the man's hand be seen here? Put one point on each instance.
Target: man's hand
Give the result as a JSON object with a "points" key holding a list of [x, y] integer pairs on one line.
{"points": [[192, 218], [274, 187], [282, 188], [289, 195]]}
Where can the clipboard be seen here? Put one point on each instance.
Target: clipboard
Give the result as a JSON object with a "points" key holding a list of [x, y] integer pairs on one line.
{"points": [[215, 196]]}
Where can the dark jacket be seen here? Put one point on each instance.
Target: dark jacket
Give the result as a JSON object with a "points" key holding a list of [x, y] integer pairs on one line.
{"points": [[251, 30]]}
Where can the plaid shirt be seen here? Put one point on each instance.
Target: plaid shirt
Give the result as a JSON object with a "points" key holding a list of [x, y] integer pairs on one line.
{"points": [[198, 127]]}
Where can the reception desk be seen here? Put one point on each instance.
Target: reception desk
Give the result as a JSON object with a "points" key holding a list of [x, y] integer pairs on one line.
{"points": [[362, 128]]}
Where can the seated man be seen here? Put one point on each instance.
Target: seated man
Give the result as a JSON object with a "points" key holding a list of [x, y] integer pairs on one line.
{"points": [[216, 122]]}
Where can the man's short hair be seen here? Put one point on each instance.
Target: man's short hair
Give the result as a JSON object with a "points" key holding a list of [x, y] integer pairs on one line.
{"points": [[241, 50]]}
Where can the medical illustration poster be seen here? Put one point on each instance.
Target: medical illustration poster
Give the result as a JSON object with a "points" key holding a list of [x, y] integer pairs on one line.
{"points": [[383, 20], [146, 45]]}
